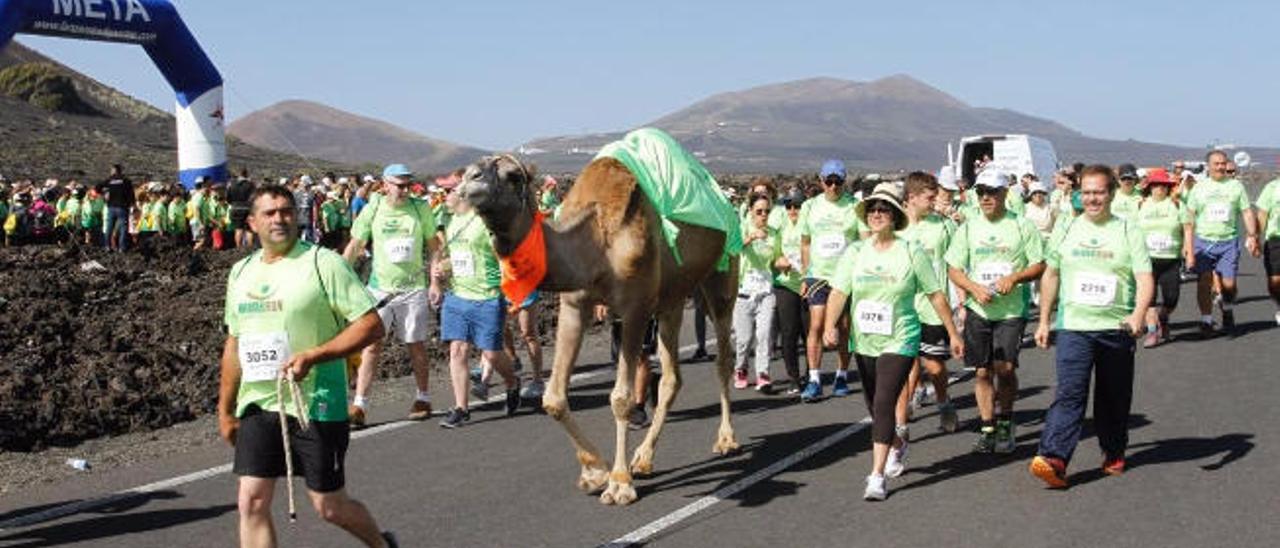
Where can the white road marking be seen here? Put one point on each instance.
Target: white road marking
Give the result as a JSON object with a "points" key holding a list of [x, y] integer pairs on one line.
{"points": [[141, 490], [647, 532]]}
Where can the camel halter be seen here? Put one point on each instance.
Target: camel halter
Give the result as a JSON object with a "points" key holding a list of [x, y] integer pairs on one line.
{"points": [[304, 420]]}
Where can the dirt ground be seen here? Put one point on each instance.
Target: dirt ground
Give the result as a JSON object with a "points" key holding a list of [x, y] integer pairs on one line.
{"points": [[99, 344]]}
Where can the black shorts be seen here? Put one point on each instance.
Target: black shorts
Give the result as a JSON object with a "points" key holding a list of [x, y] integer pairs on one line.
{"points": [[239, 218], [987, 341], [319, 452], [1271, 256], [934, 342], [818, 291], [1168, 280]]}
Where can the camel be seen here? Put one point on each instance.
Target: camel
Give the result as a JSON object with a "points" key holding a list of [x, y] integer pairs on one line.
{"points": [[608, 249]]}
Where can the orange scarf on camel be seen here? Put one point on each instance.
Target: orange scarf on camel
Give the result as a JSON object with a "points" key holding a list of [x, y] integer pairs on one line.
{"points": [[525, 268]]}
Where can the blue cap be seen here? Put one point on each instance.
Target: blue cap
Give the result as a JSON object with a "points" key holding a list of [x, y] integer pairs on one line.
{"points": [[832, 167], [397, 170]]}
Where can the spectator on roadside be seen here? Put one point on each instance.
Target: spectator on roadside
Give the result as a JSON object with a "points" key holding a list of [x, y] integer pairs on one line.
{"points": [[118, 192]]}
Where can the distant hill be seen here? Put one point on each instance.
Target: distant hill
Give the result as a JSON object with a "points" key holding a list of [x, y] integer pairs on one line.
{"points": [[892, 123], [321, 131], [56, 122]]}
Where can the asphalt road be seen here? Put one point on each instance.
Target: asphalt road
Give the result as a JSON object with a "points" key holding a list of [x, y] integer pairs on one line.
{"points": [[1202, 462]]}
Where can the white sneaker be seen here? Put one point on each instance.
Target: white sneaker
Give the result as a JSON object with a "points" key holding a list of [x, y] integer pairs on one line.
{"points": [[533, 390], [897, 463], [876, 489]]}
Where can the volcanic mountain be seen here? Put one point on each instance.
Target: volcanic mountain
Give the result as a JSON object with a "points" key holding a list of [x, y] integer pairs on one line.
{"points": [[894, 122], [320, 131], [56, 122]]}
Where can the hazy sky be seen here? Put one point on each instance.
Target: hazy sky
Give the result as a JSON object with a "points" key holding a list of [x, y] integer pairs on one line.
{"points": [[496, 74]]}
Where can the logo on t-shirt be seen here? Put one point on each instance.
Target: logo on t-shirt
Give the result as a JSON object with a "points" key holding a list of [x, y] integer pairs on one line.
{"points": [[1092, 249], [259, 303]]}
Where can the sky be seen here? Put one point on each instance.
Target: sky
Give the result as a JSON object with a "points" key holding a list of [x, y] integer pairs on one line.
{"points": [[496, 74]]}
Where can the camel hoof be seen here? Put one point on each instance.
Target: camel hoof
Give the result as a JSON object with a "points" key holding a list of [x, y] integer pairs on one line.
{"points": [[592, 480], [725, 446], [620, 494], [642, 463]]}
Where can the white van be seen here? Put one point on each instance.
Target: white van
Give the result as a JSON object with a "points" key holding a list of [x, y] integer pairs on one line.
{"points": [[1014, 155]]}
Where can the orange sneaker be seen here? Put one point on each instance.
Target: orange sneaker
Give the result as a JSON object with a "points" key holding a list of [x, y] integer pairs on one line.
{"points": [[1113, 466], [420, 410], [1052, 470]]}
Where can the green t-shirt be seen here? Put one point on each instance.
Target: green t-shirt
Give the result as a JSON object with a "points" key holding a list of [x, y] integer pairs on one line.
{"points": [[1215, 207], [1269, 203], [196, 208], [331, 214], [1096, 265], [442, 215], [399, 236], [787, 242], [476, 275], [882, 288], [150, 221], [548, 202], [755, 267], [177, 212], [289, 306], [830, 227], [92, 211], [1161, 224], [988, 251], [1125, 205], [71, 208], [932, 234]]}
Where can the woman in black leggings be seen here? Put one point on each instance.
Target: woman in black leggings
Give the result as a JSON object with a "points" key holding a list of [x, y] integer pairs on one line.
{"points": [[1160, 218], [792, 310], [881, 276]]}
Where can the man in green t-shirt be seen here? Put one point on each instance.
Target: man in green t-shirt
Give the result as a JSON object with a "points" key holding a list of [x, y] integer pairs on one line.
{"points": [[828, 225], [1099, 275], [931, 233], [1127, 198], [1268, 205], [1211, 238], [994, 257], [401, 234], [474, 311], [292, 310]]}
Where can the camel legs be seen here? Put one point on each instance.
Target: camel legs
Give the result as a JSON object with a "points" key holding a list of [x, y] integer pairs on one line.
{"points": [[721, 292], [620, 491], [574, 313], [668, 345]]}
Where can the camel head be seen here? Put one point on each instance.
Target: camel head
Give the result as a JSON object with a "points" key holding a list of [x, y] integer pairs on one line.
{"points": [[498, 185]]}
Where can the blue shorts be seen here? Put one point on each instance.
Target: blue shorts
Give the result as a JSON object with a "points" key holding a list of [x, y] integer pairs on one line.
{"points": [[1221, 257], [477, 322]]}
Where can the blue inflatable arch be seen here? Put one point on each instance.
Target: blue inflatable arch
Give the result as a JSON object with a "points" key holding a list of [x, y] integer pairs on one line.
{"points": [[155, 25]]}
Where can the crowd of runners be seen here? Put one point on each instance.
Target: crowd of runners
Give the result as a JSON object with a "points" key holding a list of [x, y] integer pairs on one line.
{"points": [[897, 277]]}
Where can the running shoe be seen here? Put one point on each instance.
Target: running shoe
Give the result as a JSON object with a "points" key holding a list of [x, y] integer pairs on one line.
{"points": [[455, 417], [876, 489], [1113, 466], [1051, 470], [917, 399], [986, 442], [1005, 442], [1206, 330], [533, 390], [897, 463], [700, 355], [480, 390], [947, 418], [637, 419], [355, 416], [763, 382], [476, 373], [420, 410], [1151, 340], [740, 378], [812, 392], [840, 388], [513, 398], [390, 539], [794, 387]]}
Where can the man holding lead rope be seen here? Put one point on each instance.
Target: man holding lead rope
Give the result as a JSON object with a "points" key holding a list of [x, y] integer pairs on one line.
{"points": [[293, 312]]}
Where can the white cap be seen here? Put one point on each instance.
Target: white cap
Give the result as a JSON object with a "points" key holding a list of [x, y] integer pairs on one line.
{"points": [[368, 179], [947, 179], [284, 181], [992, 179]]}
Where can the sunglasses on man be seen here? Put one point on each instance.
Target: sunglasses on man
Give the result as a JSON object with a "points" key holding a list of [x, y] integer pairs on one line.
{"points": [[987, 191]]}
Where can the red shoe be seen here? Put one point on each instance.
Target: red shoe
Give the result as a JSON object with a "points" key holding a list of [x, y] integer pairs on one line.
{"points": [[740, 379], [1113, 466], [1052, 470], [763, 382]]}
